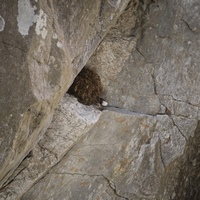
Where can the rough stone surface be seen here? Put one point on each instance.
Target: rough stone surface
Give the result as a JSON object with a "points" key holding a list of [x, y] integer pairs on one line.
{"points": [[43, 45], [131, 169], [145, 144], [71, 121]]}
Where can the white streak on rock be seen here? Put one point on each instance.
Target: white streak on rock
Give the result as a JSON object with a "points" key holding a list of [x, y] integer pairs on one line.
{"points": [[26, 16], [55, 36], [2, 23], [59, 44], [41, 24]]}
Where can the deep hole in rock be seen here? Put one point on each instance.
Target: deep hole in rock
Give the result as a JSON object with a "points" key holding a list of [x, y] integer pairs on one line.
{"points": [[87, 87]]}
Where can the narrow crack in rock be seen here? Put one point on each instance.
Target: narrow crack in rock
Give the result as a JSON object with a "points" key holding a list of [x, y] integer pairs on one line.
{"points": [[110, 183], [113, 187], [177, 127], [38, 61], [13, 178], [178, 100], [126, 111], [168, 112], [35, 183], [115, 109], [162, 37], [154, 84], [170, 116], [12, 46], [54, 165], [179, 115], [65, 138], [188, 25], [160, 149], [48, 150], [147, 62]]}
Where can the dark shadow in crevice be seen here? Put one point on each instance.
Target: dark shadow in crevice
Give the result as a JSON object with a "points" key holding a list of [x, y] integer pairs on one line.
{"points": [[188, 183]]}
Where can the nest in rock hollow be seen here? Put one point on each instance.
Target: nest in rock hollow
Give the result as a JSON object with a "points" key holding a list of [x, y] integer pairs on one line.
{"points": [[87, 87]]}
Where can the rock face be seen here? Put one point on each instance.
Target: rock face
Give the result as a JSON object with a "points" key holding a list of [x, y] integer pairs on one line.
{"points": [[43, 45], [145, 144]]}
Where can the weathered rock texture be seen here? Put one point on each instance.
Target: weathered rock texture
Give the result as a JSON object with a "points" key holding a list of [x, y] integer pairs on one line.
{"points": [[145, 145], [43, 45]]}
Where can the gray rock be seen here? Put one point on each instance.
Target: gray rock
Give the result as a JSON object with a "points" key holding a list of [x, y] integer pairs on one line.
{"points": [[124, 153], [145, 143], [43, 46], [71, 121]]}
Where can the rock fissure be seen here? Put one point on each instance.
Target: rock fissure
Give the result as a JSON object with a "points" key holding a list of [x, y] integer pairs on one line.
{"points": [[125, 111], [113, 187], [66, 138], [183, 116], [170, 112], [9, 181], [154, 84], [35, 183], [43, 151], [160, 151], [12, 46], [140, 52], [178, 128], [162, 37], [132, 112], [37, 60], [178, 100], [188, 26], [110, 183]]}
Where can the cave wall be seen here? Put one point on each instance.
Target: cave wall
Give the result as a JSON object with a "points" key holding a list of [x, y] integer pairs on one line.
{"points": [[145, 144]]}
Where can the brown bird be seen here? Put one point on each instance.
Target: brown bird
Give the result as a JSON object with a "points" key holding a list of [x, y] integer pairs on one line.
{"points": [[87, 88]]}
